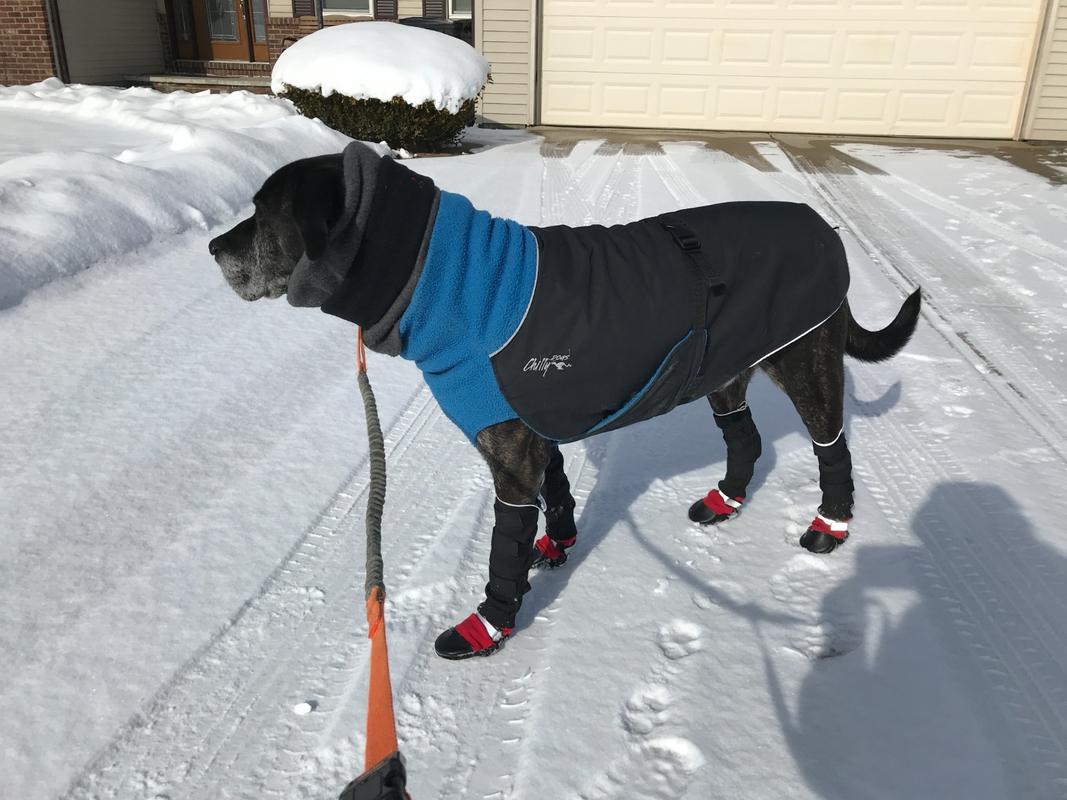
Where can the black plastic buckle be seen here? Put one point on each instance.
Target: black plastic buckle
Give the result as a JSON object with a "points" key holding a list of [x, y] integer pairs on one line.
{"points": [[683, 237], [386, 781]]}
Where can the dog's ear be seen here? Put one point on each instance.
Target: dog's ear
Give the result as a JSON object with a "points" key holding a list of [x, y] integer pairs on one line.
{"points": [[318, 200]]}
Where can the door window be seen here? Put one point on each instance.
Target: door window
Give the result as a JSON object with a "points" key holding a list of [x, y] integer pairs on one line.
{"points": [[222, 20]]}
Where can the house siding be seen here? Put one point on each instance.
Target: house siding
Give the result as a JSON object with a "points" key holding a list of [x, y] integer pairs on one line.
{"points": [[1047, 118], [25, 45], [505, 35], [110, 41]]}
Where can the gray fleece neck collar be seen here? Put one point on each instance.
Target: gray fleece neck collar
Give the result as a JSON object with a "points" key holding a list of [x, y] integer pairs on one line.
{"points": [[312, 282], [384, 335]]}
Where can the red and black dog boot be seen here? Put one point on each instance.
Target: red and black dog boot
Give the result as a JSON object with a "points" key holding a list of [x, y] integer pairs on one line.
{"points": [[550, 553], [824, 535], [475, 636], [715, 507]]}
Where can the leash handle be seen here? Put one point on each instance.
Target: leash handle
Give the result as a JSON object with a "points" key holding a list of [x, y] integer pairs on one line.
{"points": [[361, 351], [384, 778]]}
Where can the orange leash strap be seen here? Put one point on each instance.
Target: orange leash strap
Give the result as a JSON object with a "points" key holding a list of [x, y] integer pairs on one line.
{"points": [[381, 724], [384, 776]]}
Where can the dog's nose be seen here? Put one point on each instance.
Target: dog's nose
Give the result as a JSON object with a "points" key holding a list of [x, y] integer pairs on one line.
{"points": [[214, 245]]}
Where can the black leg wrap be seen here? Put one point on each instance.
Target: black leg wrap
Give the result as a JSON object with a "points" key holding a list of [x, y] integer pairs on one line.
{"points": [[509, 558], [559, 504], [743, 448], [835, 479]]}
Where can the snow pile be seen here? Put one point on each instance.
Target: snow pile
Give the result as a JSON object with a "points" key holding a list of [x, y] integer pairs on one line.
{"points": [[183, 479], [383, 60], [88, 172]]}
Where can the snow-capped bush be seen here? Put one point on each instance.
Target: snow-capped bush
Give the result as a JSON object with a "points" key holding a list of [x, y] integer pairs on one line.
{"points": [[411, 87]]}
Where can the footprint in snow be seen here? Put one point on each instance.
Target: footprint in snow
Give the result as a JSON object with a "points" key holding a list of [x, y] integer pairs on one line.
{"points": [[656, 765], [960, 412], [646, 710], [679, 639]]}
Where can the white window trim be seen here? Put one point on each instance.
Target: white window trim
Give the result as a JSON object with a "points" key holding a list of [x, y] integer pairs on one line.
{"points": [[330, 12], [453, 15]]}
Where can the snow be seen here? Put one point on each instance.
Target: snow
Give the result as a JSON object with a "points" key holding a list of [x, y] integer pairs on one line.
{"points": [[184, 475], [92, 172], [383, 60]]}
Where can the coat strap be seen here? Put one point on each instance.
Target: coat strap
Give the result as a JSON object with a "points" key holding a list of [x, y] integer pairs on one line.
{"points": [[690, 245]]}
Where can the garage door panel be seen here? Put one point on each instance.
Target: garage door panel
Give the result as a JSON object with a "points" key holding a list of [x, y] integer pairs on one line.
{"points": [[800, 10], [973, 51], [895, 107], [914, 67]]}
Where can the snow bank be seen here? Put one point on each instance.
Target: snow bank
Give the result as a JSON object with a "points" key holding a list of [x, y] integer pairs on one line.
{"points": [[383, 60], [89, 172]]}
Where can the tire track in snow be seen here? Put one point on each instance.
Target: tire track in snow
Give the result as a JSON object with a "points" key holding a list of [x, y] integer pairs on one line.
{"points": [[329, 656], [571, 196], [175, 738], [1024, 240], [885, 237], [987, 595]]}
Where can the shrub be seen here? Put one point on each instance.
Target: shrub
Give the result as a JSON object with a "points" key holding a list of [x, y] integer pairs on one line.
{"points": [[422, 128]]}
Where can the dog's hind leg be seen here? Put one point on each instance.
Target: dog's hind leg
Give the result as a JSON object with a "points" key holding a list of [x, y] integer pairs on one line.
{"points": [[550, 550], [743, 447], [812, 372], [517, 458]]}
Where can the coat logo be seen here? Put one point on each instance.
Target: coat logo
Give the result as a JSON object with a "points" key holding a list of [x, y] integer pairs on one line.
{"points": [[543, 365]]}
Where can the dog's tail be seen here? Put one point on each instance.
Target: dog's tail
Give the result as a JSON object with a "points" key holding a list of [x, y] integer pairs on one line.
{"points": [[879, 345]]}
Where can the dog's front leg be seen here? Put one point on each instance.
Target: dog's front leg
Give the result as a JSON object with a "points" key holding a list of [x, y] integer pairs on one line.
{"points": [[517, 458]]}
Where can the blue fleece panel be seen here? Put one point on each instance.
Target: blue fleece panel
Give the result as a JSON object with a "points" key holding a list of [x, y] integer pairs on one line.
{"points": [[473, 292]]}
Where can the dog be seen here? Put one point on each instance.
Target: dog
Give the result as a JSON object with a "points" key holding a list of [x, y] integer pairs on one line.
{"points": [[519, 332]]}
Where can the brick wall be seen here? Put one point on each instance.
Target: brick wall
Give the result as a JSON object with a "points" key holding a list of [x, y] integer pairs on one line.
{"points": [[283, 31], [25, 47], [231, 69]]}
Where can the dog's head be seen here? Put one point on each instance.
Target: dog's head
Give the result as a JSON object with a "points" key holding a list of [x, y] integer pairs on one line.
{"points": [[294, 211]]}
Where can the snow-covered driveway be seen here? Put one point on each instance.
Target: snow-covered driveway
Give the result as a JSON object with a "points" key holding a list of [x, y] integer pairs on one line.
{"points": [[181, 511]]}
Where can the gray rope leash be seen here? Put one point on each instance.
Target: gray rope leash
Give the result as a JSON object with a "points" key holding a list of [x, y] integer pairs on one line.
{"points": [[376, 496]]}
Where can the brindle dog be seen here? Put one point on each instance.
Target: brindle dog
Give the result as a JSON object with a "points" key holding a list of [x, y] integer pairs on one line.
{"points": [[293, 213]]}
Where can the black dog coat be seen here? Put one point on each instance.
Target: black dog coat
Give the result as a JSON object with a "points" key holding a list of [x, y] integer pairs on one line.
{"points": [[627, 322], [582, 330]]}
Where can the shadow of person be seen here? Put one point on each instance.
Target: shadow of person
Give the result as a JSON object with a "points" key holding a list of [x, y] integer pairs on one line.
{"points": [[927, 691]]}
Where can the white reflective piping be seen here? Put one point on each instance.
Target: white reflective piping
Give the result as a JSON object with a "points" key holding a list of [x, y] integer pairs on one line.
{"points": [[805, 333], [833, 524], [521, 505], [493, 633], [529, 305], [728, 500], [737, 410], [820, 444]]}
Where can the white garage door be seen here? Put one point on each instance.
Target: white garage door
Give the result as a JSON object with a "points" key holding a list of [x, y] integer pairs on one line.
{"points": [[918, 67]]}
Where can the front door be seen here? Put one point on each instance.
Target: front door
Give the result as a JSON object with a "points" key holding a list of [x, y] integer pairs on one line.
{"points": [[232, 30]]}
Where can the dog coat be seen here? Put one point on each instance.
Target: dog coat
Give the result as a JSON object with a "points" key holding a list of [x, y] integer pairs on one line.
{"points": [[576, 331]]}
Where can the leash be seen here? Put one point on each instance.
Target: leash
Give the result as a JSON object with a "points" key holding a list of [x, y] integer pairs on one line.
{"points": [[384, 776]]}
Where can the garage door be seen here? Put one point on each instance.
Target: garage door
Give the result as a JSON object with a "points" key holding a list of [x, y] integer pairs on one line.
{"points": [[904, 67]]}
